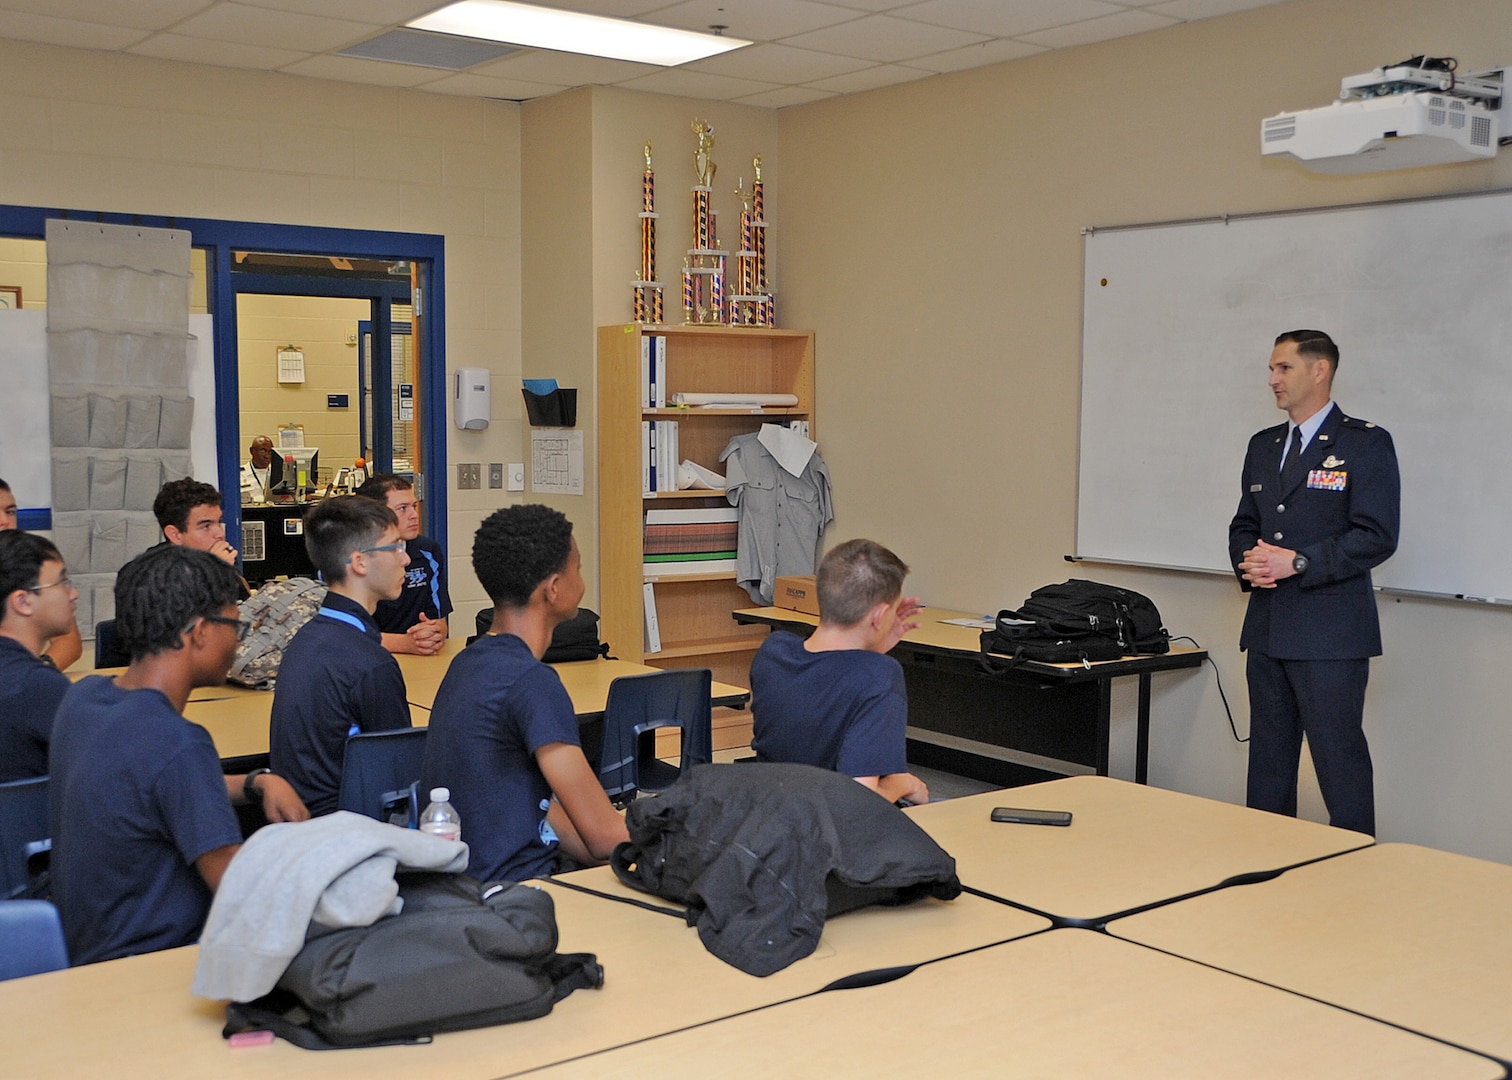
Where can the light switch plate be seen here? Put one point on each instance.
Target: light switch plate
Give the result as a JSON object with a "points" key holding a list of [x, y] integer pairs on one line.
{"points": [[495, 474], [467, 476], [516, 476]]}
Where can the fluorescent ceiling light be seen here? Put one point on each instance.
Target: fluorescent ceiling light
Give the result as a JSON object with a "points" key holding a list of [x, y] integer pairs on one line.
{"points": [[571, 31]]}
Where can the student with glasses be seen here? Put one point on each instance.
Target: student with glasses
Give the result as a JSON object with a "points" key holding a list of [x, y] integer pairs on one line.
{"points": [[36, 607], [68, 646], [141, 815], [336, 679]]}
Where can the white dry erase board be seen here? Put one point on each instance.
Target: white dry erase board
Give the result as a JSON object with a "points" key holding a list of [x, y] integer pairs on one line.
{"points": [[1178, 325]]}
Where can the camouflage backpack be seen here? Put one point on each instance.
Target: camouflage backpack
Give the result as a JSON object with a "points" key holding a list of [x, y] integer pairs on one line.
{"points": [[276, 612]]}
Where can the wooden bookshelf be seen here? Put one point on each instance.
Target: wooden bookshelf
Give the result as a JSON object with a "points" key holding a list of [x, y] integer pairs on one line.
{"points": [[693, 610]]}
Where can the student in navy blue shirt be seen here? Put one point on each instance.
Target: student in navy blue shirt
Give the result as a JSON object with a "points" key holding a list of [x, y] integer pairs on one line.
{"points": [[68, 646], [835, 700], [503, 734], [416, 621], [336, 679], [142, 825], [36, 606]]}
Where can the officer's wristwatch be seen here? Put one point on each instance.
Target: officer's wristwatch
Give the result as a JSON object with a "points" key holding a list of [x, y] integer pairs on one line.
{"points": [[1299, 564]]}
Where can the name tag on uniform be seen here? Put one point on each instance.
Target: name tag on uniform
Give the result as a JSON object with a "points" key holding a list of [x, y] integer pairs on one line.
{"points": [[1257, 487], [1327, 479]]}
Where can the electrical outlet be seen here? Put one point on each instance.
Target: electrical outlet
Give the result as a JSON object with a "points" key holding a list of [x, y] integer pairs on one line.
{"points": [[496, 474], [516, 476], [467, 477]]}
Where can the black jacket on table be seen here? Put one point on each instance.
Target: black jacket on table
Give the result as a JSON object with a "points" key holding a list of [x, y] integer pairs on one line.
{"points": [[1343, 514]]}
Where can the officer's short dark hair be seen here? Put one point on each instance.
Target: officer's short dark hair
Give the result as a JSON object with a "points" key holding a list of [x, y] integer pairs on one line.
{"points": [[1315, 344]]}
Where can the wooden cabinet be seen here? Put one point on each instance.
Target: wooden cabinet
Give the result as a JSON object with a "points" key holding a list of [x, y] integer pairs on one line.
{"points": [[693, 610]]}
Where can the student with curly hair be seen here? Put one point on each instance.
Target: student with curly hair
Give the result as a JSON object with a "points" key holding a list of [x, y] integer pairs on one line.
{"points": [[142, 825], [503, 734]]}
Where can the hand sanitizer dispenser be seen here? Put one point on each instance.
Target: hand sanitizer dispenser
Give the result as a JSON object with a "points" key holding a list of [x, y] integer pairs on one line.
{"points": [[471, 398]]}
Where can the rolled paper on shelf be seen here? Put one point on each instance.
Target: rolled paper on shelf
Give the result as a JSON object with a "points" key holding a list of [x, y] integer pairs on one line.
{"points": [[777, 400]]}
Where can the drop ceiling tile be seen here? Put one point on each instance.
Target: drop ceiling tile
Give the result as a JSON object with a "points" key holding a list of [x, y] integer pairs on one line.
{"points": [[787, 95], [566, 69], [140, 14], [697, 84], [871, 78], [218, 53], [352, 69], [998, 51], [375, 12], [1104, 29], [1006, 19], [615, 9], [274, 29], [471, 85], [1206, 9], [24, 26], [883, 38], [778, 63], [754, 20], [874, 6]]}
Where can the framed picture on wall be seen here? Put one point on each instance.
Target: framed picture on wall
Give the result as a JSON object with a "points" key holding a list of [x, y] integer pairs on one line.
{"points": [[10, 297]]}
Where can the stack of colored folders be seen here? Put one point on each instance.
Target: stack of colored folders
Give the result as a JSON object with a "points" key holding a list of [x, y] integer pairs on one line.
{"points": [[700, 540]]}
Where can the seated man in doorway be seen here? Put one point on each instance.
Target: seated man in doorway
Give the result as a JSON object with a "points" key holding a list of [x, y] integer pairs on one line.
{"points": [[416, 621], [336, 679], [835, 700], [257, 473], [503, 733], [142, 824], [36, 607]]}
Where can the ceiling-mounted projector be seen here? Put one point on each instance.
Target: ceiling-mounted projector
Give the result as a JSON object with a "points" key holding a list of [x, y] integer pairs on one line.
{"points": [[1403, 116]]}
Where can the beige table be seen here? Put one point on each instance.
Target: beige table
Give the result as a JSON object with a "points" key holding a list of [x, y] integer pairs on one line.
{"points": [[1049, 718], [1067, 1003], [135, 1017], [1405, 934], [587, 681], [1128, 845]]}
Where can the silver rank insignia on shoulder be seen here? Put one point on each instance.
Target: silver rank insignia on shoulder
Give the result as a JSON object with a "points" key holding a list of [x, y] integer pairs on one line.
{"points": [[1322, 438], [1331, 462]]}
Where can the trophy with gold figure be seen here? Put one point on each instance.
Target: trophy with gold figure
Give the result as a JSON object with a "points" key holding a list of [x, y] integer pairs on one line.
{"points": [[704, 267], [752, 304], [648, 291]]}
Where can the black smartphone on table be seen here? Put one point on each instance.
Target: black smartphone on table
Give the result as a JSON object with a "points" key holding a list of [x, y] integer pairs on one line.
{"points": [[1014, 816]]}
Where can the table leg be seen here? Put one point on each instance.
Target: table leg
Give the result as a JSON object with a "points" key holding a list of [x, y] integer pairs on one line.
{"points": [[1142, 747], [1104, 724]]}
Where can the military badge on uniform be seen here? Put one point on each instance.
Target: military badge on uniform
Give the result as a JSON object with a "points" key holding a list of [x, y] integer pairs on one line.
{"points": [[1327, 479], [1331, 462]]}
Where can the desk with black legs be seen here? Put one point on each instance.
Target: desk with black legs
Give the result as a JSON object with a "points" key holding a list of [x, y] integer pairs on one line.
{"points": [[1033, 723]]}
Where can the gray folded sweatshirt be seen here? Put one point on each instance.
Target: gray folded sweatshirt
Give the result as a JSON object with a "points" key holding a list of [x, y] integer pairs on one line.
{"points": [[335, 871]]}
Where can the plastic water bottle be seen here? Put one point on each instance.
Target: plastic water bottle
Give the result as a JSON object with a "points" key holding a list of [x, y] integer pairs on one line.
{"points": [[440, 817]]}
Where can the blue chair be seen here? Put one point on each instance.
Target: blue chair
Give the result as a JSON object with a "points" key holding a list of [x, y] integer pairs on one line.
{"points": [[24, 829], [31, 939], [107, 653], [379, 769], [639, 705]]}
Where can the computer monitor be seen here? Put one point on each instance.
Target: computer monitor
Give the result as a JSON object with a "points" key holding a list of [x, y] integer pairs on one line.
{"points": [[306, 460]]}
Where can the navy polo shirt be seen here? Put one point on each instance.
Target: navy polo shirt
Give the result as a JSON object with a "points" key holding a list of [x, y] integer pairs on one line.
{"points": [[30, 690], [424, 589], [496, 707], [845, 710], [136, 795], [335, 680]]}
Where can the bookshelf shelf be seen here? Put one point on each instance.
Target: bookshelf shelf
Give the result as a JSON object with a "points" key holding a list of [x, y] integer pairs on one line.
{"points": [[693, 610]]}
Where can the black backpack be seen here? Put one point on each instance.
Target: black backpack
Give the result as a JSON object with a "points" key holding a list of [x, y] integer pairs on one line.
{"points": [[460, 955], [1075, 621], [575, 639]]}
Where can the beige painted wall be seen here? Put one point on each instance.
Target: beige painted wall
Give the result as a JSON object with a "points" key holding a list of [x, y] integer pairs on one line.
{"points": [[319, 326], [581, 236], [931, 237], [95, 131]]}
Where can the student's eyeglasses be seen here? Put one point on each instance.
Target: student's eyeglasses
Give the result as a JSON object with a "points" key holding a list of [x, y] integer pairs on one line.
{"points": [[61, 581], [243, 627], [372, 550]]}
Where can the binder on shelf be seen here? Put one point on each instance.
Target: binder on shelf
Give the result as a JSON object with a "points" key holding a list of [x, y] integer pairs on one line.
{"points": [[696, 566], [653, 628], [660, 355], [648, 370], [693, 515], [646, 487]]}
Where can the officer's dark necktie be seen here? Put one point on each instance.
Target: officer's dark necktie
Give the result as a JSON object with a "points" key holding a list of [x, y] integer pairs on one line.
{"points": [[1291, 468]]}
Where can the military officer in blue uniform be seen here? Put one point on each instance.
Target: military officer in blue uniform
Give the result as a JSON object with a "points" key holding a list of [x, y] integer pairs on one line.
{"points": [[1319, 508]]}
